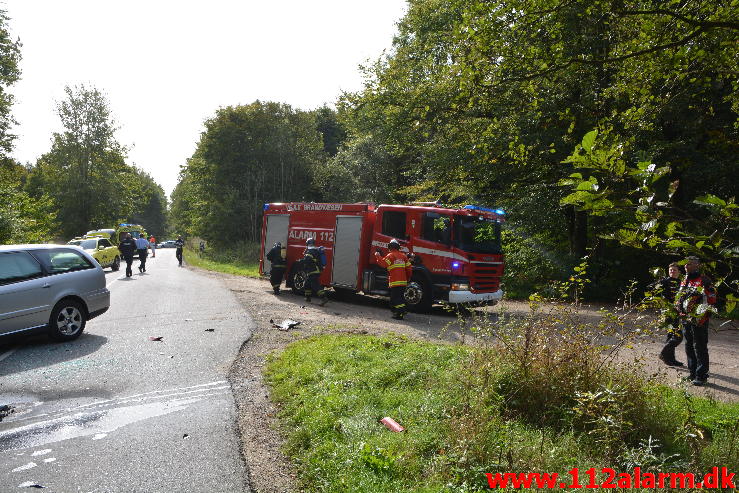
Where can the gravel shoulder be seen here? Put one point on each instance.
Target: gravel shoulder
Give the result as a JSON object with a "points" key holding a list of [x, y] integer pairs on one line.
{"points": [[270, 471]]}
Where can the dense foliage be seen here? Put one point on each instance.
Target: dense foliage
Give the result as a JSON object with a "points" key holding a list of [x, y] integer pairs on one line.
{"points": [[484, 100], [247, 156]]}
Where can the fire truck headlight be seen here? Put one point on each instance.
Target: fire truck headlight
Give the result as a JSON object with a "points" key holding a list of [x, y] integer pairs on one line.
{"points": [[460, 286]]}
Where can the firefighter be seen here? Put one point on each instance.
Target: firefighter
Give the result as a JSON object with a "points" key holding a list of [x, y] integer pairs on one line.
{"points": [[127, 247], [313, 266], [399, 272], [278, 257]]}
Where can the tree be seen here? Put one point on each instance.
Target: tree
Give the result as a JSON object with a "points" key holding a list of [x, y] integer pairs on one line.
{"points": [[151, 204], [22, 219], [491, 96], [10, 56], [331, 129], [85, 171], [248, 155]]}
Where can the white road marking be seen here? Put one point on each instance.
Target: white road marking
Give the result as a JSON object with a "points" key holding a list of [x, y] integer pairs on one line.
{"points": [[7, 353], [41, 452], [28, 466]]}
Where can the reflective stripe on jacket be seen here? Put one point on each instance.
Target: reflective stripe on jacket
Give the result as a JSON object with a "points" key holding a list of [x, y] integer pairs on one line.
{"points": [[312, 261], [398, 267]]}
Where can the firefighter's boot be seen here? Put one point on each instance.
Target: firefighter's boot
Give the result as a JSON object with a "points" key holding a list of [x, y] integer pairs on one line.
{"points": [[324, 300]]}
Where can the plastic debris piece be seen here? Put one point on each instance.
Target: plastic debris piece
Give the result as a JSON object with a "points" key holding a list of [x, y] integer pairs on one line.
{"points": [[210, 330], [391, 424], [188, 320], [156, 338], [185, 436], [30, 484], [286, 324]]}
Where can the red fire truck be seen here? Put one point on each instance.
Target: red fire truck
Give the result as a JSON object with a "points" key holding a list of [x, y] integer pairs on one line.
{"points": [[457, 256]]}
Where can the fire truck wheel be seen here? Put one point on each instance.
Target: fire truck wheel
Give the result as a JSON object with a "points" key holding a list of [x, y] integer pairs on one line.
{"points": [[418, 296], [299, 282]]}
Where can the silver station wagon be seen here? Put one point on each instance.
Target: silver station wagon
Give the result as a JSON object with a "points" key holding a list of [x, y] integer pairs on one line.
{"points": [[56, 288]]}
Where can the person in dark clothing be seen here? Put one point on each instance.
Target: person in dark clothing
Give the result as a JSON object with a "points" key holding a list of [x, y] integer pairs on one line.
{"points": [[278, 258], [313, 267], [667, 287], [694, 303], [142, 248], [179, 244], [127, 247]]}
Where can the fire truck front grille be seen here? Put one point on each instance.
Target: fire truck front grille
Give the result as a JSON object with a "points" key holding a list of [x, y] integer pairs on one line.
{"points": [[485, 278]]}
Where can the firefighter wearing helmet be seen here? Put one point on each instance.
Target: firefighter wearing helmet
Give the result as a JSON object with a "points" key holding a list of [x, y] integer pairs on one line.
{"points": [[278, 258], [313, 265], [399, 272]]}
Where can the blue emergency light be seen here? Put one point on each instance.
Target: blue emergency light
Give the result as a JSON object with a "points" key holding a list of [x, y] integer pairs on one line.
{"points": [[500, 212]]}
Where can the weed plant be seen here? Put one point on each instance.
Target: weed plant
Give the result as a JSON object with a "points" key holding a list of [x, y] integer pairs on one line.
{"points": [[540, 393]]}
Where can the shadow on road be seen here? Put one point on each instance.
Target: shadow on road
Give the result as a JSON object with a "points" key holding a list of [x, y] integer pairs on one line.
{"points": [[39, 351]]}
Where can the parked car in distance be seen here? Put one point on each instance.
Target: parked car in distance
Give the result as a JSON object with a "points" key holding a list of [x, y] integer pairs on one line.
{"points": [[52, 288], [101, 249], [167, 244]]}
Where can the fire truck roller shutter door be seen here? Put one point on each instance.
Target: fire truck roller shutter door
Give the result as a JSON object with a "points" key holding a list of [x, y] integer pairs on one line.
{"points": [[277, 225], [345, 270]]}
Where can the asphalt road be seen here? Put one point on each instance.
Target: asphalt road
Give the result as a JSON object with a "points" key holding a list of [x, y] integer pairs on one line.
{"points": [[116, 412]]}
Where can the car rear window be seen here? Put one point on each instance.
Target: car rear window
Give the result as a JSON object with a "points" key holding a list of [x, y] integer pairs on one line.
{"points": [[18, 266], [59, 260], [89, 244]]}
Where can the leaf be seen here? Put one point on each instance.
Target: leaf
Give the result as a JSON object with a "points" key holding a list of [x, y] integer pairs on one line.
{"points": [[589, 140], [710, 200]]}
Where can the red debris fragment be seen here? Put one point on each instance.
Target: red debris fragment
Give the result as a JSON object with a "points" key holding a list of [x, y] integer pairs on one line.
{"points": [[156, 338], [392, 425]]}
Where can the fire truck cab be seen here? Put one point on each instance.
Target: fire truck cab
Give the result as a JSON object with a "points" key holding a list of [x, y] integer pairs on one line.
{"points": [[456, 252]]}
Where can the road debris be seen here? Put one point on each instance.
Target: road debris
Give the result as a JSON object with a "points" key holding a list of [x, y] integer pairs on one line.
{"points": [[391, 424], [185, 436], [5, 411], [286, 324], [156, 338], [30, 484], [210, 330]]}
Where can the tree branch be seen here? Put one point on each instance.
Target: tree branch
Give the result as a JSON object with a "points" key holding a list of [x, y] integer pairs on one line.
{"points": [[693, 22]]}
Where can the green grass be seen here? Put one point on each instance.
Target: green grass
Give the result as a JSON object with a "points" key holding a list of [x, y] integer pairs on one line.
{"points": [[461, 418], [237, 267]]}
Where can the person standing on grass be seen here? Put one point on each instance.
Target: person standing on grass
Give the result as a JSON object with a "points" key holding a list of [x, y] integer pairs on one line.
{"points": [[668, 287], [142, 246], [179, 244], [399, 272], [127, 247], [694, 303]]}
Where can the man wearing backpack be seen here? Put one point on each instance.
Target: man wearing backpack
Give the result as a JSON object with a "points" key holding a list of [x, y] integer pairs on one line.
{"points": [[278, 258], [313, 266]]}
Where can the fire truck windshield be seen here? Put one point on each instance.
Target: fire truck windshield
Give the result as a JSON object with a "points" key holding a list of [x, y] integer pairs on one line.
{"points": [[477, 234]]}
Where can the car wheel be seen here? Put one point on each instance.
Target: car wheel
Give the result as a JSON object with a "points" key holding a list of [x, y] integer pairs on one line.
{"points": [[418, 296], [299, 282], [68, 319], [116, 264]]}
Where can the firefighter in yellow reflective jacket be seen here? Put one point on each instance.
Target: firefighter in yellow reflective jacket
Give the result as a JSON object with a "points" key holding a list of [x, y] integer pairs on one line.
{"points": [[313, 266], [399, 272]]}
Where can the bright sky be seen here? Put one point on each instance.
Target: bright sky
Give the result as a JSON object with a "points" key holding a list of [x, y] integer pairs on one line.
{"points": [[166, 66]]}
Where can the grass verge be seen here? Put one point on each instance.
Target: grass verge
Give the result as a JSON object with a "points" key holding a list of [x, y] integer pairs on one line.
{"points": [[230, 266], [466, 414]]}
